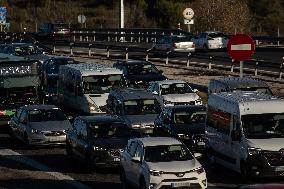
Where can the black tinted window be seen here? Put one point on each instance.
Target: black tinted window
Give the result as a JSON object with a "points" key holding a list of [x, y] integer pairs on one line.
{"points": [[46, 115]]}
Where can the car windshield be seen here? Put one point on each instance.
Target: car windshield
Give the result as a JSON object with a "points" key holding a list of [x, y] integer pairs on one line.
{"points": [[26, 50], [56, 63], [263, 125], [102, 83], [22, 95], [41, 115], [167, 153], [138, 69], [219, 34], [178, 39], [140, 106], [189, 117], [175, 88], [265, 90], [110, 130]]}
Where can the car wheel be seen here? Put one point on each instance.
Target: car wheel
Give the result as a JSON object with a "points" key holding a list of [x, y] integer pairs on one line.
{"points": [[124, 183], [142, 184]]}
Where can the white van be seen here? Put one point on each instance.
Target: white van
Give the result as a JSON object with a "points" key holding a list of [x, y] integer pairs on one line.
{"points": [[245, 132], [211, 40], [85, 87]]}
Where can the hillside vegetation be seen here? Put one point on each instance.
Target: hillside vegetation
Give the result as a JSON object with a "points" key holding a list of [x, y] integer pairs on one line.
{"points": [[258, 17]]}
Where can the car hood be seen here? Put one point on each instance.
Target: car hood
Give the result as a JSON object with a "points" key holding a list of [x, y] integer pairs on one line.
{"points": [[271, 144], [40, 57], [51, 125], [174, 166], [146, 77], [98, 99], [189, 128], [111, 143], [140, 119], [188, 97]]}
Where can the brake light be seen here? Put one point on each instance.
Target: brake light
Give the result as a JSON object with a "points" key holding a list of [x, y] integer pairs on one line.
{"points": [[2, 112], [193, 45], [174, 45]]}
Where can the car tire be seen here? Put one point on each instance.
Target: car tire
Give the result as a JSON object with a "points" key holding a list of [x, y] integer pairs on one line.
{"points": [[124, 182], [142, 184]]}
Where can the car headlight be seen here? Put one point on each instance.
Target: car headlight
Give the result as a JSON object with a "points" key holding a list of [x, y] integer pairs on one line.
{"points": [[35, 131], [135, 126], [155, 172], [183, 136], [98, 148], [199, 170], [166, 102], [253, 151]]}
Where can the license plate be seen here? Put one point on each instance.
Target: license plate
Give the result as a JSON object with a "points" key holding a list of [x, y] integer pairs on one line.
{"points": [[53, 139], [200, 143], [116, 159], [180, 184], [279, 168]]}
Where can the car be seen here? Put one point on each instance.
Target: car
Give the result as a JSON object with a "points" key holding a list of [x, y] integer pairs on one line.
{"points": [[263, 186], [139, 73], [29, 51], [137, 107], [54, 31], [235, 84], [177, 43], [174, 92], [186, 123], [160, 162], [209, 40], [98, 140], [49, 75], [39, 125]]}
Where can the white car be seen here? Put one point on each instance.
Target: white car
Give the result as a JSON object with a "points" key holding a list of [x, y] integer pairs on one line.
{"points": [[211, 40], [174, 92], [160, 162], [178, 43]]}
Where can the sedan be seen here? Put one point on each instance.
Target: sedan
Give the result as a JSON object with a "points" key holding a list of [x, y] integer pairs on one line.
{"points": [[39, 125]]}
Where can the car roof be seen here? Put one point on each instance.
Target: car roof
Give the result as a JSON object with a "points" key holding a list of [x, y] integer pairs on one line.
{"points": [[158, 141], [40, 106], [241, 82], [99, 118], [187, 107], [133, 94], [133, 62], [170, 81]]}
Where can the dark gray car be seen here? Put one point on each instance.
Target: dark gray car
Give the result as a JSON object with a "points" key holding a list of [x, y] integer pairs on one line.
{"points": [[138, 108], [39, 125]]}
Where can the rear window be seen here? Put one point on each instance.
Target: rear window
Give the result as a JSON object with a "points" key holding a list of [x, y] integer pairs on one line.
{"points": [[181, 39], [219, 34]]}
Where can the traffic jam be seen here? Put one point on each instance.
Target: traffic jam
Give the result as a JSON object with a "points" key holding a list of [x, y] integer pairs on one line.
{"points": [[127, 115]]}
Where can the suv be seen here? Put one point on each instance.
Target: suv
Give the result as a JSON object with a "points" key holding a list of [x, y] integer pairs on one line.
{"points": [[160, 162], [186, 123], [178, 43], [211, 40], [137, 107], [139, 73], [234, 84], [174, 92], [98, 140]]}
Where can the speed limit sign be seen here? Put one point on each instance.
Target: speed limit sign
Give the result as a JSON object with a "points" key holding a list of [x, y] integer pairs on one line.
{"points": [[188, 13]]}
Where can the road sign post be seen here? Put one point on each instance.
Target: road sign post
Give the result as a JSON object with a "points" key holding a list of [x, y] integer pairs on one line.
{"points": [[188, 14], [241, 47]]}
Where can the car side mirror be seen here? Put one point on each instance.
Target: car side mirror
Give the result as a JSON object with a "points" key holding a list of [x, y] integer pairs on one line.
{"points": [[136, 159], [236, 135], [155, 93]]}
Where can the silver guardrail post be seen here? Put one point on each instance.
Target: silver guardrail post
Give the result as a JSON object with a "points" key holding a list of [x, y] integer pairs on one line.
{"points": [[71, 49], [87, 37], [53, 47], [74, 37], [94, 36], [147, 38], [167, 58], [232, 65], [90, 53], [81, 36], [256, 68], [131, 38], [188, 59], [126, 53], [210, 62], [115, 36], [107, 51], [108, 37], [281, 69], [139, 39]]}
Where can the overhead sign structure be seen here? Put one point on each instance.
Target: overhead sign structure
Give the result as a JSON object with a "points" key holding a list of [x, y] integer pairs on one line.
{"points": [[3, 15], [241, 47], [188, 13]]}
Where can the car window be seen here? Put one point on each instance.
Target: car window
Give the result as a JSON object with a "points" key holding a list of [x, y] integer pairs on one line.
{"points": [[40, 115], [189, 117], [175, 88], [18, 113], [132, 148], [109, 130], [23, 116], [203, 35], [139, 151]]}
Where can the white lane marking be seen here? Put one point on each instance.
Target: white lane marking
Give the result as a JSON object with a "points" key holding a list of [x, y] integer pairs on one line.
{"points": [[10, 154], [241, 47]]}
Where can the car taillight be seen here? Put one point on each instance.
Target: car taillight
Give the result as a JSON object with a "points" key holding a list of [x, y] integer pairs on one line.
{"points": [[2, 112], [174, 45], [193, 45]]}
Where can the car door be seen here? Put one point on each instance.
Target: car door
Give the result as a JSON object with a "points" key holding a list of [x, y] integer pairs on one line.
{"points": [[23, 124], [14, 123], [136, 167], [74, 137], [129, 163], [82, 142]]}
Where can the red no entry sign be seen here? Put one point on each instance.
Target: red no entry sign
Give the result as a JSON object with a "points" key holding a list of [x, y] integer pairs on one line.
{"points": [[241, 47]]}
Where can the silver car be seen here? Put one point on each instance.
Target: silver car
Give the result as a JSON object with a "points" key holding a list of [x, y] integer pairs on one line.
{"points": [[39, 125]]}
